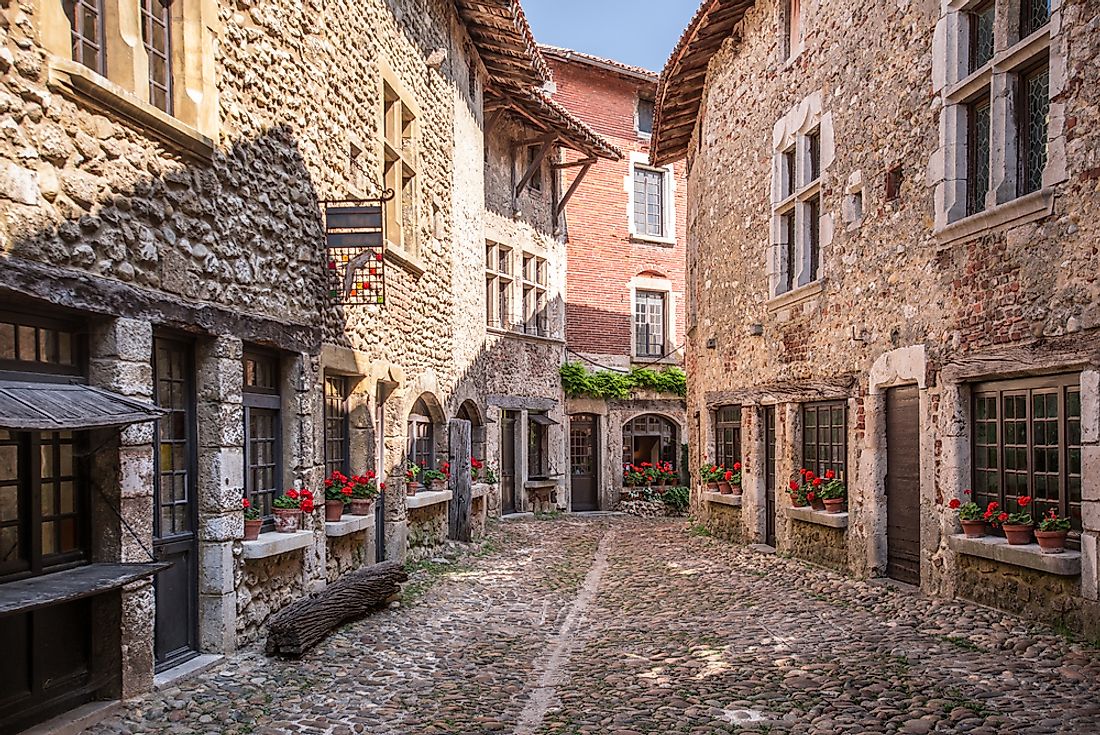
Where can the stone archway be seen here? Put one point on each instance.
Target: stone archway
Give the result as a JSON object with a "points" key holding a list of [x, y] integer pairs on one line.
{"points": [[651, 437]]}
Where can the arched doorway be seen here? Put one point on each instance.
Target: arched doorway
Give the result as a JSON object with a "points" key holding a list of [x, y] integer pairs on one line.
{"points": [[651, 438]]}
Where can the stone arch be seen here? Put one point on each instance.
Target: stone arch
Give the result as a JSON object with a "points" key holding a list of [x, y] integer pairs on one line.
{"points": [[470, 411], [649, 436]]}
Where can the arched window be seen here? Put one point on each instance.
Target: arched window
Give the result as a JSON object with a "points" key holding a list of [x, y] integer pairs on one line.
{"points": [[468, 411], [421, 446], [650, 438]]}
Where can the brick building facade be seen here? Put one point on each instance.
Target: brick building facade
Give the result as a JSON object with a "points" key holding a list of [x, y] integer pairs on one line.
{"points": [[625, 285], [168, 341], [891, 275]]}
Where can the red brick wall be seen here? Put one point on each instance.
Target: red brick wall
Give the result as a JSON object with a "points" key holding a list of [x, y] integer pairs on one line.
{"points": [[602, 256]]}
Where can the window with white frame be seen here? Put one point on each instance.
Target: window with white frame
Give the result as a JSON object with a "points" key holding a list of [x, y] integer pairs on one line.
{"points": [[797, 212], [650, 324], [399, 138], [650, 218], [534, 295], [498, 285], [644, 117], [1003, 52]]}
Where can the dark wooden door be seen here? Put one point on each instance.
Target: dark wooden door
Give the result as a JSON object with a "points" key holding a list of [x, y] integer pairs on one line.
{"points": [[769, 475], [508, 462], [175, 511], [583, 464], [903, 484]]}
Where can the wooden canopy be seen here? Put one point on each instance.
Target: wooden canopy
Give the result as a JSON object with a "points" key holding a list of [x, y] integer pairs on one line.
{"points": [[680, 89], [541, 113], [505, 43]]}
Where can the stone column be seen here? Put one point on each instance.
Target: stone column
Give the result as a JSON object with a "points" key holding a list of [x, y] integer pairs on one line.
{"points": [[788, 456], [953, 475], [867, 501], [1090, 484], [395, 454], [303, 437], [221, 488], [754, 474], [121, 361]]}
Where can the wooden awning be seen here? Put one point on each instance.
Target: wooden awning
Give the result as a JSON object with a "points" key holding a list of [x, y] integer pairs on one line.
{"points": [[536, 110], [680, 89], [47, 406], [504, 42], [56, 588]]}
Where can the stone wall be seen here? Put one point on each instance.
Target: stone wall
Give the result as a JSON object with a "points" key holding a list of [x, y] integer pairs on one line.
{"points": [[427, 528], [818, 544], [265, 586], [724, 521], [348, 553]]}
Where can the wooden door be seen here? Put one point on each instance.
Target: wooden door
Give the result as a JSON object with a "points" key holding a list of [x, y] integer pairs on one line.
{"points": [[508, 462], [903, 484], [175, 512], [583, 465], [769, 475]]}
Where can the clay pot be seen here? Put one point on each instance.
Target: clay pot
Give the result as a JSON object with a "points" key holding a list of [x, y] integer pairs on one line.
{"points": [[1051, 542], [797, 502], [974, 529], [738, 490], [725, 488], [287, 520], [361, 506], [333, 510], [834, 505], [712, 487], [252, 529], [1017, 535], [439, 485], [411, 487]]}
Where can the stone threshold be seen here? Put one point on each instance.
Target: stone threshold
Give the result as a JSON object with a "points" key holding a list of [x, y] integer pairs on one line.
{"points": [[820, 517], [272, 544], [720, 499], [348, 525], [1030, 556], [186, 670], [77, 720], [428, 498]]}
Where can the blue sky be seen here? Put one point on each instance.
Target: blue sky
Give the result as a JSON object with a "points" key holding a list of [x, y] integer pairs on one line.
{"points": [[641, 33]]}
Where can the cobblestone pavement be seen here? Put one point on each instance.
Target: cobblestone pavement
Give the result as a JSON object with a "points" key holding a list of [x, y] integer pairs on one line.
{"points": [[622, 626]]}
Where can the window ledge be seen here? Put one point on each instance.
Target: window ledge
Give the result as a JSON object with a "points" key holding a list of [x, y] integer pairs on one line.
{"points": [[797, 296], [479, 489], [820, 517], [1021, 210], [399, 256], [720, 499], [672, 360], [428, 498], [651, 240], [349, 525], [995, 548], [272, 544], [524, 336], [81, 83]]}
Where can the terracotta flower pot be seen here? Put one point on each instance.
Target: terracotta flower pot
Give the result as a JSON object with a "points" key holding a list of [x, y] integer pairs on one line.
{"points": [[439, 484], [974, 529], [287, 520], [725, 488], [1051, 542], [817, 504], [1017, 535], [834, 505], [333, 510], [738, 490], [252, 529], [411, 487], [713, 487], [797, 502], [361, 506]]}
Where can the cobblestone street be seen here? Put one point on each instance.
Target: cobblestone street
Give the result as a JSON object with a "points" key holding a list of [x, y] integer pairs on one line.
{"points": [[611, 625]]}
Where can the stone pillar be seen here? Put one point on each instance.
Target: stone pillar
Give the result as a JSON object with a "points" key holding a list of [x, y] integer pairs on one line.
{"points": [[395, 455], [788, 456], [220, 487], [303, 441], [121, 352], [867, 497], [953, 476], [1090, 484], [754, 473]]}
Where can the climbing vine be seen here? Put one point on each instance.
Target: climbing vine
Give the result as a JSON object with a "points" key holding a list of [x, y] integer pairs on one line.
{"points": [[579, 382]]}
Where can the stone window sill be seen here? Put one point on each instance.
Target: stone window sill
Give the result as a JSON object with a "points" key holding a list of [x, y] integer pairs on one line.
{"points": [[428, 498], [403, 258], [820, 517], [81, 83], [272, 544], [479, 490], [524, 336], [1019, 211], [797, 296], [349, 525], [666, 242], [720, 499], [995, 548]]}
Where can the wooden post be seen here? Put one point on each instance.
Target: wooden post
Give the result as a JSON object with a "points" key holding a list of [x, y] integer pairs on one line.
{"points": [[462, 499]]}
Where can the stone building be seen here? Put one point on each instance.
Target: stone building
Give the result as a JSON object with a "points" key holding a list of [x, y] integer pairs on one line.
{"points": [[168, 341], [891, 274], [625, 288]]}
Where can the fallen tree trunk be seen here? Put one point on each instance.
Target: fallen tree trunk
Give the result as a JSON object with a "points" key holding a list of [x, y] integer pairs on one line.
{"points": [[303, 624]]}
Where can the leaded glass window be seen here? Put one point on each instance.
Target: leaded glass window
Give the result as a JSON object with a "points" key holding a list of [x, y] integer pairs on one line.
{"points": [[156, 23], [981, 35], [1034, 14], [649, 324], [728, 436], [649, 201], [336, 425], [1034, 119], [825, 437], [977, 174], [86, 20], [263, 430]]}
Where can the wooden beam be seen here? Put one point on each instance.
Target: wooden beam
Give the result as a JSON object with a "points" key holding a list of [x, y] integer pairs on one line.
{"points": [[532, 169], [585, 165], [574, 164]]}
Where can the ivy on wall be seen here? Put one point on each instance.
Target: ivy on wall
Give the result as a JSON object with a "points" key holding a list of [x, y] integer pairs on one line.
{"points": [[579, 382]]}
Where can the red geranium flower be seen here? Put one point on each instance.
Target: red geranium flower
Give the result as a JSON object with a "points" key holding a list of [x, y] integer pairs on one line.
{"points": [[245, 503], [292, 494], [817, 482], [829, 474], [810, 495], [307, 506], [954, 504], [347, 490], [382, 485], [966, 491], [1002, 517], [994, 505], [987, 515], [1024, 501], [728, 476], [794, 485], [737, 466], [306, 493]]}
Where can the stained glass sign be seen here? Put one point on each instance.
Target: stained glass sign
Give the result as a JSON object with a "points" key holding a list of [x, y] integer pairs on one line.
{"points": [[355, 251]]}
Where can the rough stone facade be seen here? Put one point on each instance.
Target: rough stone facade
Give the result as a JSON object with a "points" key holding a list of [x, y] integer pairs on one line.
{"points": [[909, 290]]}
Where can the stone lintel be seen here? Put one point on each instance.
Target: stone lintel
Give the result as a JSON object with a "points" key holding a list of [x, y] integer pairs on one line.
{"points": [[720, 499], [428, 498], [820, 517], [273, 544], [995, 548], [349, 525]]}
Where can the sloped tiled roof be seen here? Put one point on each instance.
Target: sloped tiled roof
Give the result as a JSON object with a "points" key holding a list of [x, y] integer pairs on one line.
{"points": [[566, 54]]}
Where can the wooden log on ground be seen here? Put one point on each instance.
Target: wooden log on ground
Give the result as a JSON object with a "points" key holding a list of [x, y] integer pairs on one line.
{"points": [[303, 624]]}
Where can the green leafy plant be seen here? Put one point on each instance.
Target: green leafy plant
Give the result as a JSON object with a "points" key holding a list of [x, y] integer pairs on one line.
{"points": [[968, 511], [295, 500], [580, 382], [833, 488], [1022, 517], [250, 513], [1053, 522], [711, 473], [432, 475], [677, 498]]}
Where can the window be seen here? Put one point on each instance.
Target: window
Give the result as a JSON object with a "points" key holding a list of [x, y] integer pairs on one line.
{"points": [[498, 286], [86, 19], [29, 344], [798, 213], [649, 324], [156, 25], [980, 21], [421, 447], [652, 439], [645, 116], [175, 437], [263, 431], [532, 157], [538, 457], [336, 425], [534, 295], [977, 165], [399, 138], [1034, 14], [649, 201], [825, 438], [1027, 441], [728, 436], [1034, 115], [791, 28]]}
